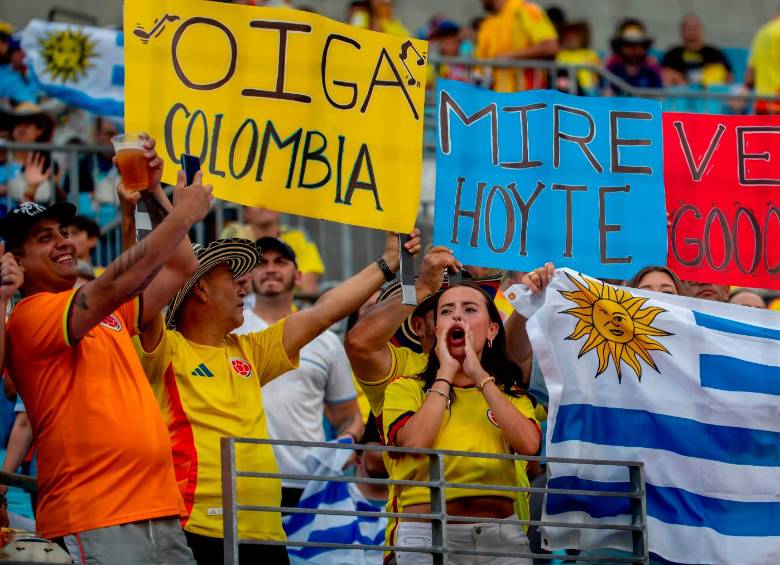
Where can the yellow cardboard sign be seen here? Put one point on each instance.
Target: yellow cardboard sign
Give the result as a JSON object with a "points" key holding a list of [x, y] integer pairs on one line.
{"points": [[286, 109]]}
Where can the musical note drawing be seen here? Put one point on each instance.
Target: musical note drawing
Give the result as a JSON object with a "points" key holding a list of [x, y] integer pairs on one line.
{"points": [[411, 81], [157, 29]]}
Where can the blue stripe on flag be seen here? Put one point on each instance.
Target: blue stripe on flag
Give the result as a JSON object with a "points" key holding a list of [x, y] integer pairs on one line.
{"points": [[639, 428], [595, 506], [100, 106], [671, 506], [118, 75], [728, 373], [348, 533], [331, 494], [78, 98], [730, 326]]}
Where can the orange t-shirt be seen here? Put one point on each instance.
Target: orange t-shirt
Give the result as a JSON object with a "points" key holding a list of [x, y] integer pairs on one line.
{"points": [[104, 456]]}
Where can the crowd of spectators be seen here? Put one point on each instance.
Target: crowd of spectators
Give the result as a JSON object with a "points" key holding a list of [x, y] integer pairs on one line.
{"points": [[518, 30], [406, 376]]}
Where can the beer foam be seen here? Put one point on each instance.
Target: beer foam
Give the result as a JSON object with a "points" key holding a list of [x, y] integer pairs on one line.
{"points": [[127, 145]]}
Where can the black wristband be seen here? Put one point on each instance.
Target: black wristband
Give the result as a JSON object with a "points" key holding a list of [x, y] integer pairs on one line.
{"points": [[385, 268], [449, 384]]}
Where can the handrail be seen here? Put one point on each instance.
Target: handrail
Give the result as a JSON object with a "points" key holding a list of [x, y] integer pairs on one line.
{"points": [[57, 147], [29, 484], [637, 528], [447, 452], [603, 73]]}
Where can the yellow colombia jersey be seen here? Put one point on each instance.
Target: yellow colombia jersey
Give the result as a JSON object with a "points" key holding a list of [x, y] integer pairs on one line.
{"points": [[403, 361], [519, 25], [206, 393], [468, 426]]}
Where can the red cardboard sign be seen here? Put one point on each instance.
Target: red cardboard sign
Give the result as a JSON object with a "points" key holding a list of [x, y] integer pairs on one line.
{"points": [[722, 177]]}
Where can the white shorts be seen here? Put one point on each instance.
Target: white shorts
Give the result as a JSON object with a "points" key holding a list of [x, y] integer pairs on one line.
{"points": [[504, 538]]}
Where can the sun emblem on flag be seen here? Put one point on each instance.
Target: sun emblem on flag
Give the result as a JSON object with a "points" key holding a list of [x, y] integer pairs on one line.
{"points": [[616, 325], [67, 54]]}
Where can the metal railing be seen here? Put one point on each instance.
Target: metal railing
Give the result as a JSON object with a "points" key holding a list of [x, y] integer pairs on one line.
{"points": [[72, 153], [438, 517], [24, 482], [554, 68]]}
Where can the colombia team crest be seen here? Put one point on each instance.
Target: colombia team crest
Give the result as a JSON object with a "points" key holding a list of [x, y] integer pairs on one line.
{"points": [[112, 323], [241, 367]]}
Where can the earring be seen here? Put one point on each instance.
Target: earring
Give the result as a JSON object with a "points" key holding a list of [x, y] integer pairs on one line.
{"points": [[490, 343]]}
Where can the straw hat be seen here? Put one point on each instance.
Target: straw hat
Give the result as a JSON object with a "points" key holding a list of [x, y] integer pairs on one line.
{"points": [[29, 112], [241, 255]]}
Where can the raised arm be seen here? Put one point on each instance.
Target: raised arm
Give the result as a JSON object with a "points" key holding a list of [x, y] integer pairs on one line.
{"points": [[130, 274], [366, 343], [11, 278], [179, 266], [518, 344], [422, 428], [127, 204], [347, 297], [518, 430]]}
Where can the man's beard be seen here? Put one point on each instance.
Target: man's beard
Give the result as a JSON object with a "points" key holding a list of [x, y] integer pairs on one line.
{"points": [[286, 287]]}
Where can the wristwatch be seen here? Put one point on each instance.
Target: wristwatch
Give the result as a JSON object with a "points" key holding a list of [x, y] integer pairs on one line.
{"points": [[385, 268]]}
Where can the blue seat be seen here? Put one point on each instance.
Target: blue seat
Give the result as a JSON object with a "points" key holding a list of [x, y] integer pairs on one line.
{"points": [[738, 59]]}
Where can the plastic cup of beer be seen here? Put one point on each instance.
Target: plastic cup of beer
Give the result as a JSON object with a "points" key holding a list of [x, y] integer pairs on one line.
{"points": [[129, 148]]}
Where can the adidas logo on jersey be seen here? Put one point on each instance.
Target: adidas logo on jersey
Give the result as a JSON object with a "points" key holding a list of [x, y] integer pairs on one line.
{"points": [[202, 371]]}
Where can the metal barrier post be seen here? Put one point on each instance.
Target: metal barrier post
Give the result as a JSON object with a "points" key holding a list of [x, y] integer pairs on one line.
{"points": [[347, 251], [229, 513], [117, 235], [639, 512], [573, 79], [75, 181], [439, 507], [200, 233]]}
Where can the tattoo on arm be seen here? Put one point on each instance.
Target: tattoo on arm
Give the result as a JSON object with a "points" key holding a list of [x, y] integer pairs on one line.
{"points": [[81, 300], [128, 259]]}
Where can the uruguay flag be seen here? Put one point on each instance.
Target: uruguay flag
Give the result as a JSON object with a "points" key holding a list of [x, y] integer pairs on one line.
{"points": [[689, 387], [81, 65], [331, 495]]}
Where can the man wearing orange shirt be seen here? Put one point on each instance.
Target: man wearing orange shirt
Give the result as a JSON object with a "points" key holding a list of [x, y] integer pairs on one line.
{"points": [[105, 468], [515, 29]]}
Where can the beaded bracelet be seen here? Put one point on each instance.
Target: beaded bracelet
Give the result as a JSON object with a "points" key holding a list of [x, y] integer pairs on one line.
{"points": [[485, 381], [440, 393]]}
